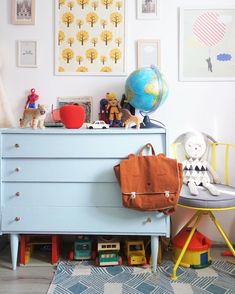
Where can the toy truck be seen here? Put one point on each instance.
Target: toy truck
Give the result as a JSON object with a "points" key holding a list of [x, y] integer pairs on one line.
{"points": [[135, 252], [82, 250], [108, 253]]}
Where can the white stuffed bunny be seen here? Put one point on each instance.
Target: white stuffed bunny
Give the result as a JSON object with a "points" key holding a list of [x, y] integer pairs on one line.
{"points": [[196, 170]]}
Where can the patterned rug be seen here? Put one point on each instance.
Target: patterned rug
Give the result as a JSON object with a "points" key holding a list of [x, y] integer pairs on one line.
{"points": [[75, 278]]}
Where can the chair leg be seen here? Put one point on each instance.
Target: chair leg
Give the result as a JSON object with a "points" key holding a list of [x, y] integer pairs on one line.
{"points": [[217, 224], [196, 216]]}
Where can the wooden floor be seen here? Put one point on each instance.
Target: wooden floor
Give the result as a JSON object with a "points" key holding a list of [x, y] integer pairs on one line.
{"points": [[24, 280], [36, 279]]}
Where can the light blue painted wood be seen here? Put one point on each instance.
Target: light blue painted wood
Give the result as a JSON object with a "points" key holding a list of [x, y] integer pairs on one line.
{"points": [[154, 251], [67, 184], [14, 240], [83, 220], [71, 145], [0, 182], [59, 170], [64, 194]]}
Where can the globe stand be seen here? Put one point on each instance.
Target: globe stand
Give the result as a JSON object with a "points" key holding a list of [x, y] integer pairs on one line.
{"points": [[147, 124]]}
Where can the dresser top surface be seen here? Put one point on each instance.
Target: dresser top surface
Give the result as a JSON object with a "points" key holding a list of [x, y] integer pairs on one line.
{"points": [[82, 131]]}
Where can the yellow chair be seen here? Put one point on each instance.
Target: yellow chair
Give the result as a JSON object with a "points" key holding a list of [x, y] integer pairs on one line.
{"points": [[205, 203]]}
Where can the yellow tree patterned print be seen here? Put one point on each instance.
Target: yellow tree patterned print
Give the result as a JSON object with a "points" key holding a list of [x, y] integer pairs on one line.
{"points": [[61, 37], [106, 36], [82, 36], [91, 54], [83, 3], [95, 4], [90, 37], [61, 3], [107, 3], [80, 22], [70, 4], [115, 54], [68, 54], [116, 18], [68, 18], [79, 59], [92, 18]]}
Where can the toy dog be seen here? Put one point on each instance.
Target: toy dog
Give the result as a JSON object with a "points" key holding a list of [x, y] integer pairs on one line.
{"points": [[35, 117]]}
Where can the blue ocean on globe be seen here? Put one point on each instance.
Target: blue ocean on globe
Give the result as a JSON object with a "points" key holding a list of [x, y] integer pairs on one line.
{"points": [[146, 89]]}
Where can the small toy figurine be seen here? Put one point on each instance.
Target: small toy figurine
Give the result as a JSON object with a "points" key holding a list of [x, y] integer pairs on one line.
{"points": [[103, 115], [114, 110], [32, 98], [126, 105], [35, 117], [127, 118]]}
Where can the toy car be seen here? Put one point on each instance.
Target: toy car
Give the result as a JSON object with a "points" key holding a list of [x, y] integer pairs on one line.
{"points": [[98, 124], [82, 250], [108, 253], [135, 252]]}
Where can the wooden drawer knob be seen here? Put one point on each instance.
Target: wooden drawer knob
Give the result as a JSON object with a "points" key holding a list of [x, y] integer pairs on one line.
{"points": [[17, 169], [17, 145], [149, 220], [17, 218], [17, 194]]}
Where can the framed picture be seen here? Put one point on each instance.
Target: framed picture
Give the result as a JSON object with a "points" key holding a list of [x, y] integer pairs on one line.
{"points": [[148, 9], [23, 12], [27, 54], [149, 53], [85, 101], [207, 47], [90, 37]]}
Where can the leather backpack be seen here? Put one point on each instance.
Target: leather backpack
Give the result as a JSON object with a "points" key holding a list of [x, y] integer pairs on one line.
{"points": [[150, 182]]}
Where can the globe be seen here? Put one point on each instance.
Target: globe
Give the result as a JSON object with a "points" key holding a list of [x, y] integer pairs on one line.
{"points": [[146, 90]]}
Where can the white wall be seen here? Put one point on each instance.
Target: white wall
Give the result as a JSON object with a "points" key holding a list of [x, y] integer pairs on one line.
{"points": [[206, 106]]}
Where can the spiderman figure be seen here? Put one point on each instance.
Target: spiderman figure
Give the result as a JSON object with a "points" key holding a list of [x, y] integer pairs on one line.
{"points": [[32, 98]]}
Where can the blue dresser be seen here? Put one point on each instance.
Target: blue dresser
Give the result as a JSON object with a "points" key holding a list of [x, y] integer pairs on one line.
{"points": [[60, 181]]}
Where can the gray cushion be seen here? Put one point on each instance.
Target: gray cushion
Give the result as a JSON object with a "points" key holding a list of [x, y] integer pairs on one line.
{"points": [[205, 200]]}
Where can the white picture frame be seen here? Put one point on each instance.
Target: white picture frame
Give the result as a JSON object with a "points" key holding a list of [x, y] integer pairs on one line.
{"points": [[206, 44], [27, 51], [148, 9], [23, 12], [148, 53], [111, 66], [85, 101]]}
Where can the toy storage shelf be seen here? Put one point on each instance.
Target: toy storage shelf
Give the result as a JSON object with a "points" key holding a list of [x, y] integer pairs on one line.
{"points": [[61, 181]]}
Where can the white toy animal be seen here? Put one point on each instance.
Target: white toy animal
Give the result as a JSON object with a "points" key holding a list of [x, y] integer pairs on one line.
{"points": [[196, 170]]}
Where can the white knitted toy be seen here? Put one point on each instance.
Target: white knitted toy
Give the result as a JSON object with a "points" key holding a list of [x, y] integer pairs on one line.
{"points": [[196, 170]]}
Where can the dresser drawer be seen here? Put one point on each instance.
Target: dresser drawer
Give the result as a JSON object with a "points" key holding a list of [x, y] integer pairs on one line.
{"points": [[59, 170], [61, 194], [85, 143], [81, 220]]}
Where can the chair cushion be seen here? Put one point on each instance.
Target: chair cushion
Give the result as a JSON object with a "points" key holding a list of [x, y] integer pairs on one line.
{"points": [[204, 199]]}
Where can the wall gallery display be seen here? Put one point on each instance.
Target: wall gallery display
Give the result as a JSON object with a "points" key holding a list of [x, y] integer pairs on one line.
{"points": [[149, 53], [27, 54], [207, 47], [90, 37], [148, 9], [23, 12]]}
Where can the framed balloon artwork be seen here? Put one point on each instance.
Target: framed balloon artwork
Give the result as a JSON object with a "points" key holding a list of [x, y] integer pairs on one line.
{"points": [[206, 44]]}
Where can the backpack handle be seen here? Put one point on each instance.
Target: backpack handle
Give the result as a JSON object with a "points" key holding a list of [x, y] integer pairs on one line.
{"points": [[148, 145]]}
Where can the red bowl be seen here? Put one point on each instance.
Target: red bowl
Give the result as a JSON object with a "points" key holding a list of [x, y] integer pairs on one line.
{"points": [[72, 116]]}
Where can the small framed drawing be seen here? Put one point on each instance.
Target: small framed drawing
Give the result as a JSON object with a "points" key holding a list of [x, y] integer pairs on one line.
{"points": [[148, 9], [149, 53], [206, 44], [85, 101], [23, 12], [27, 54]]}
